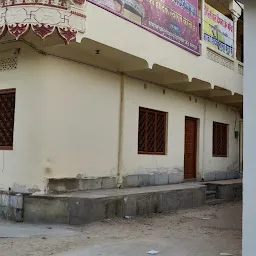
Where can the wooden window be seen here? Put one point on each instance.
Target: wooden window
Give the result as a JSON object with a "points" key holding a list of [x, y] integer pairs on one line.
{"points": [[7, 109], [220, 140], [151, 132]]}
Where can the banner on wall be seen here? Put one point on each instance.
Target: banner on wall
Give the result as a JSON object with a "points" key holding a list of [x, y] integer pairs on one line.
{"points": [[173, 20], [218, 30]]}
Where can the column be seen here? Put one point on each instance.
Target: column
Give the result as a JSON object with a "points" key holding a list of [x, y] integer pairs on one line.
{"points": [[120, 135], [249, 177], [235, 19], [236, 12], [202, 19]]}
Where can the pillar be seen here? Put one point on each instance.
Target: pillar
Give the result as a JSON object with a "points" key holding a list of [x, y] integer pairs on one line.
{"points": [[236, 12], [249, 174], [235, 19], [202, 19]]}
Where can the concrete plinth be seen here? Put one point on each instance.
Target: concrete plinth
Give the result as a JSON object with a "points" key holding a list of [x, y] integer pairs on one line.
{"points": [[11, 206], [64, 185], [85, 207], [80, 184], [227, 189]]}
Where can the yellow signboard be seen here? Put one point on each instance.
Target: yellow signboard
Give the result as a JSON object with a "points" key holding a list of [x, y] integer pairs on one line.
{"points": [[218, 30]]}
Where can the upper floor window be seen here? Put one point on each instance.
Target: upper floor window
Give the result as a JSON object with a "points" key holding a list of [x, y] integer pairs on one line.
{"points": [[220, 140], [7, 109], [151, 132]]}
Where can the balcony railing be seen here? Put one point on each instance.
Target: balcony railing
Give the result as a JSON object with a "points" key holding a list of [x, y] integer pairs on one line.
{"points": [[43, 17], [52, 3], [221, 58], [240, 68]]}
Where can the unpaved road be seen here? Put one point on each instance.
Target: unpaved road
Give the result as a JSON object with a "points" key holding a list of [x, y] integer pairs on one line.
{"points": [[205, 231]]}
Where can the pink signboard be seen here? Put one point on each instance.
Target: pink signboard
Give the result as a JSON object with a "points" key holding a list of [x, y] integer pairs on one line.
{"points": [[173, 20]]}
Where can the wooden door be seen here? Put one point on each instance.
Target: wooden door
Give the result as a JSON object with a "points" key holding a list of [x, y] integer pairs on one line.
{"points": [[190, 151]]}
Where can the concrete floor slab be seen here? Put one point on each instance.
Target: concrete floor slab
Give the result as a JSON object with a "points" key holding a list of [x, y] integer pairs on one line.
{"points": [[224, 182], [126, 191]]}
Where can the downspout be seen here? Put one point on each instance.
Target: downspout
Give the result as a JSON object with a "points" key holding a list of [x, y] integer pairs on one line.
{"points": [[202, 172], [120, 134], [241, 148], [237, 134], [237, 137]]}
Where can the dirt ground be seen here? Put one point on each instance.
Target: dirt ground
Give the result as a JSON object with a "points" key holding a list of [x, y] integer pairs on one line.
{"points": [[205, 231]]}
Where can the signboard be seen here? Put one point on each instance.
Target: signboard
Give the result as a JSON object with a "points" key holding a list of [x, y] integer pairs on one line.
{"points": [[173, 20], [218, 30]]}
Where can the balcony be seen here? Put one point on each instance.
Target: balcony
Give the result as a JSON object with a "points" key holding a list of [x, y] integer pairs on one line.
{"points": [[143, 55], [116, 44], [42, 17]]}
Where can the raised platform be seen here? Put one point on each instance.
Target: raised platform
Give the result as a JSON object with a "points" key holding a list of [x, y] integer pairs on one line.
{"points": [[226, 189], [95, 205]]}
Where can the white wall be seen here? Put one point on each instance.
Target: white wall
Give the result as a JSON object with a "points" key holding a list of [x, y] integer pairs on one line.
{"points": [[81, 119], [222, 114], [67, 124], [178, 105], [20, 168]]}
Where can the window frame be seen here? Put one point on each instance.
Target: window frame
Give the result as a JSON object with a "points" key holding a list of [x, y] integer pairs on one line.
{"points": [[9, 91], [221, 135], [148, 110]]}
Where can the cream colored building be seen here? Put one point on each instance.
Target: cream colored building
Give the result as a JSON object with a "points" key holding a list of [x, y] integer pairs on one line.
{"points": [[117, 105]]}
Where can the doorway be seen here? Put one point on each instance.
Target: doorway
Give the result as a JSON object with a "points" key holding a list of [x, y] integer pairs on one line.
{"points": [[190, 148]]}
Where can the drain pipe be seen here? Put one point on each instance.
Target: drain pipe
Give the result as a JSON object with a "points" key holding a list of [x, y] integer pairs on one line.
{"points": [[237, 134], [120, 135], [241, 148], [202, 173]]}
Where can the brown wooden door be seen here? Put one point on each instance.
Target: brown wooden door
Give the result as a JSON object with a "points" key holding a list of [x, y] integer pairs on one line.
{"points": [[190, 150]]}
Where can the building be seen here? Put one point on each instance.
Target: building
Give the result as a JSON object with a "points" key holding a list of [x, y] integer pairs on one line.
{"points": [[119, 93], [249, 209]]}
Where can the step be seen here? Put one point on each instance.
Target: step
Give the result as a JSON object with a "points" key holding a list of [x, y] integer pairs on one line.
{"points": [[210, 194], [215, 201]]}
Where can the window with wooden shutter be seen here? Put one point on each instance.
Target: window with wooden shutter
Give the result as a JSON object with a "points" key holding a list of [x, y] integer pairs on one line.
{"points": [[151, 132], [220, 140], [7, 109]]}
